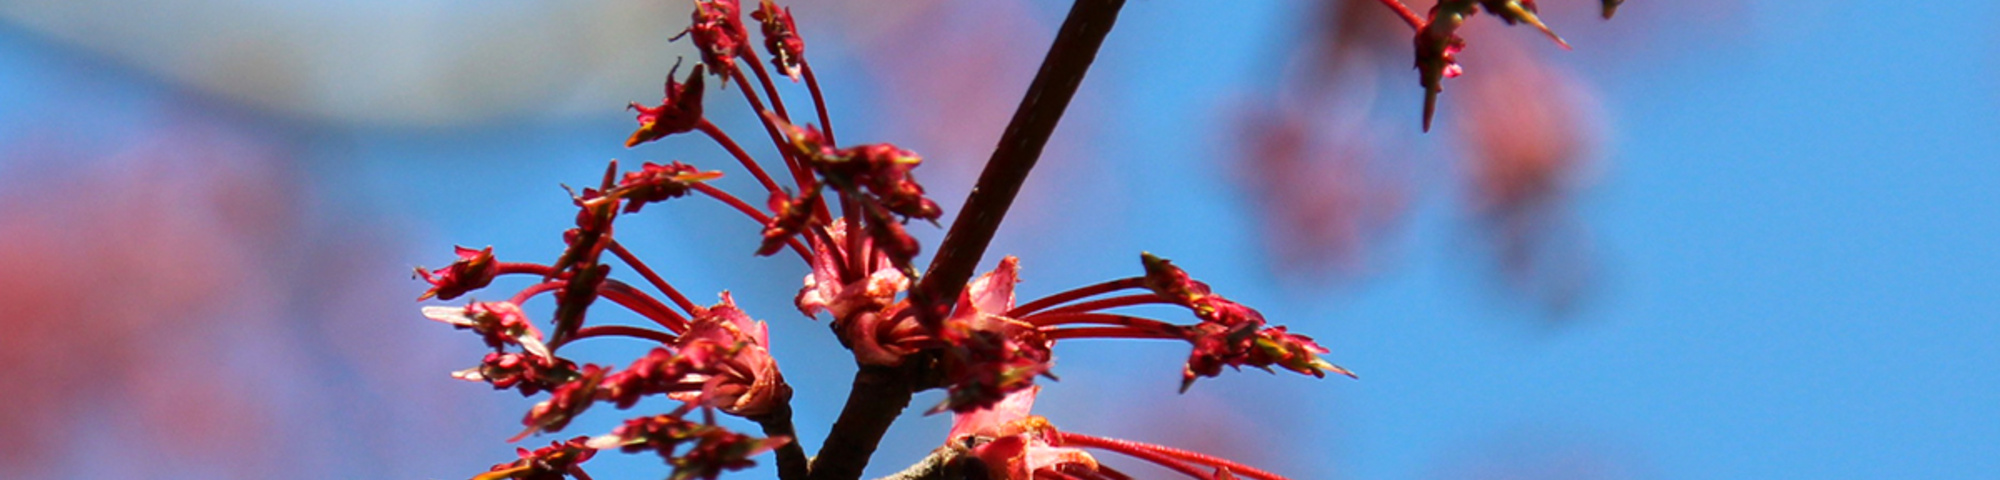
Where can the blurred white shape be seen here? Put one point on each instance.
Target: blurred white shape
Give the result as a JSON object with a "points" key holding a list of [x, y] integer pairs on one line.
{"points": [[401, 63]]}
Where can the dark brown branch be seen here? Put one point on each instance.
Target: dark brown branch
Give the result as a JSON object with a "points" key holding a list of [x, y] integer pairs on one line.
{"points": [[792, 462], [1034, 121], [879, 395]]}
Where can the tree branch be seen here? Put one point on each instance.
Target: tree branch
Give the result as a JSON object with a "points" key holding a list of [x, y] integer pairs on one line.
{"points": [[1034, 121], [881, 393], [945, 463], [792, 463], [878, 396]]}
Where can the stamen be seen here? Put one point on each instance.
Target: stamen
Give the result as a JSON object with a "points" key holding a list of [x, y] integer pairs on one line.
{"points": [[624, 331], [1077, 294], [659, 283], [741, 156]]}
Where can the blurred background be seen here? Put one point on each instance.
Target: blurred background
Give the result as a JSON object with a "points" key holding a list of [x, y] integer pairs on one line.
{"points": [[1718, 239]]}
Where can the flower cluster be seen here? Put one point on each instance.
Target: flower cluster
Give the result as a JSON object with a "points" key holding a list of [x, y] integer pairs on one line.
{"points": [[976, 343], [1438, 43]]}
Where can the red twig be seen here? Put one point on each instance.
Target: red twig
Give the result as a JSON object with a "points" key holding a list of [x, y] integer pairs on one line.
{"points": [[1409, 16]]}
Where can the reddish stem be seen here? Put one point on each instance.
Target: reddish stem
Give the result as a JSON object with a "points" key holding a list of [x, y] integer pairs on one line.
{"points": [[624, 331], [643, 304], [754, 214], [1134, 449], [764, 77], [1071, 439], [1409, 16], [1077, 294], [819, 101], [1106, 303], [1102, 319], [536, 269], [654, 278], [741, 156], [799, 173], [533, 290], [1107, 332]]}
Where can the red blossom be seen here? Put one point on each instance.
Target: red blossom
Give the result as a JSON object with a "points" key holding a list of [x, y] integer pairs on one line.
{"points": [[473, 270], [528, 373], [724, 360], [1521, 11], [744, 379], [1014, 445], [718, 32], [1230, 334], [657, 183], [711, 449], [790, 215], [565, 402], [882, 170], [679, 112], [991, 355], [826, 290], [499, 323], [557, 461], [1438, 45], [864, 308], [781, 37]]}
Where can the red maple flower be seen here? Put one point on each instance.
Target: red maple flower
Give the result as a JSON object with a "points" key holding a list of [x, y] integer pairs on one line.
{"points": [[992, 355], [557, 461], [528, 373], [473, 270], [710, 451], [718, 33], [781, 38], [499, 323], [1014, 444], [679, 112], [655, 183]]}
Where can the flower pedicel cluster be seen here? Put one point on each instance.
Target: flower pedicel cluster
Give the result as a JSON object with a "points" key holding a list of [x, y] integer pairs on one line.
{"points": [[982, 347]]}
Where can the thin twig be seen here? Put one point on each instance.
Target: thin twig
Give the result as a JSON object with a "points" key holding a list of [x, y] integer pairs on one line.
{"points": [[1034, 121]]}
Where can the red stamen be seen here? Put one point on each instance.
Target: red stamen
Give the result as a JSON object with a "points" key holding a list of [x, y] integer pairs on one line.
{"points": [[1048, 320], [507, 268], [1077, 294], [1107, 303], [819, 102], [799, 173], [624, 331], [754, 214], [741, 156], [770, 90], [1132, 448], [642, 304], [1107, 332], [533, 290], [654, 278]]}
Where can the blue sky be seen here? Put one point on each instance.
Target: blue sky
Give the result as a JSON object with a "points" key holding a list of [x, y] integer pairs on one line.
{"points": [[1796, 227]]}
